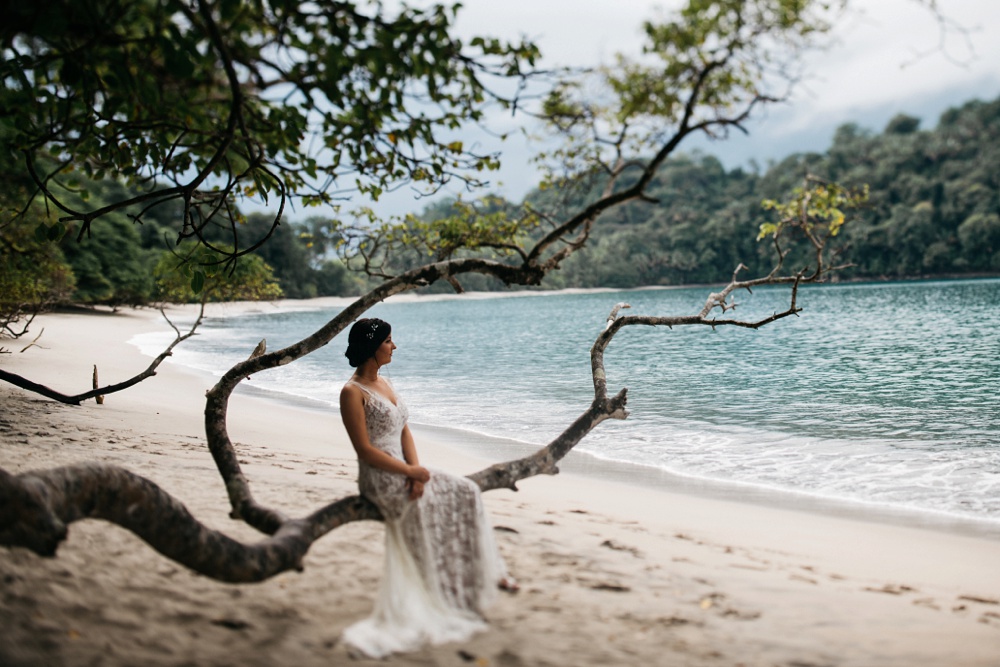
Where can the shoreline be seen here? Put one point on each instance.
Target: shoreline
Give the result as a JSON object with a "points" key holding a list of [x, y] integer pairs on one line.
{"points": [[321, 303], [835, 279], [587, 465], [611, 574], [489, 448], [580, 462]]}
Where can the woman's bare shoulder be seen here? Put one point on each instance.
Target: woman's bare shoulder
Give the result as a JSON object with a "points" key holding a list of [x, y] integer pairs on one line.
{"points": [[351, 390]]}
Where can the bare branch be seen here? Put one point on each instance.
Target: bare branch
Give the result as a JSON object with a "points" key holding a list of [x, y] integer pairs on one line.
{"points": [[150, 371]]}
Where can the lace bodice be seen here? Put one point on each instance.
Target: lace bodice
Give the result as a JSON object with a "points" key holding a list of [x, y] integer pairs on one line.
{"points": [[385, 421]]}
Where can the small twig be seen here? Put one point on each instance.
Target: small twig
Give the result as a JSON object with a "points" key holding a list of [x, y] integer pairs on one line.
{"points": [[100, 397], [24, 383], [614, 313], [258, 351], [35, 342]]}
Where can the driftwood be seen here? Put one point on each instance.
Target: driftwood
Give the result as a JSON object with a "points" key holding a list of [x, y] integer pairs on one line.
{"points": [[97, 385], [34, 343], [99, 392]]}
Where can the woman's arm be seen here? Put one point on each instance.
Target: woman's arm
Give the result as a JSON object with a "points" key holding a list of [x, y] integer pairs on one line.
{"points": [[410, 454], [352, 411], [409, 449]]}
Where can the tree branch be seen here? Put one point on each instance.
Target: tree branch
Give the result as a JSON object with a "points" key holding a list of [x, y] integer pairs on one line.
{"points": [[150, 371]]}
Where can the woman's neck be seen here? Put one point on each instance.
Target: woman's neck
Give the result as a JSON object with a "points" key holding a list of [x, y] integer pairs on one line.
{"points": [[368, 371]]}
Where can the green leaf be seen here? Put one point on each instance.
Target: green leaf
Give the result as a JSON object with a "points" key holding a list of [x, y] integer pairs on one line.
{"points": [[56, 231], [177, 61], [261, 184], [197, 282]]}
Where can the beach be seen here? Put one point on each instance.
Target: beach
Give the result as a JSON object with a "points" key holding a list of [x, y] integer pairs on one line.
{"points": [[611, 573]]}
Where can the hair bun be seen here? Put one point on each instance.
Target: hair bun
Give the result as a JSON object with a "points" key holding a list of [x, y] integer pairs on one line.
{"points": [[365, 337]]}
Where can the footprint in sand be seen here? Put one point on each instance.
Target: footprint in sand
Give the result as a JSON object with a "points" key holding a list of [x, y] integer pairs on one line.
{"points": [[975, 603], [891, 589], [610, 544], [748, 566], [927, 602], [978, 600], [990, 617]]}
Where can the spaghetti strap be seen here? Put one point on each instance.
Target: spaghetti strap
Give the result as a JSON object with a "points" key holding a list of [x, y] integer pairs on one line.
{"points": [[394, 399]]}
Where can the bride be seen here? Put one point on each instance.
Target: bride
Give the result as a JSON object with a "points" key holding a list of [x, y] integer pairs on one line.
{"points": [[442, 566]]}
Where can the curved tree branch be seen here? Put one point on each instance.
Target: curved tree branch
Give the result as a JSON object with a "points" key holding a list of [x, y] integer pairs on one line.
{"points": [[37, 506]]}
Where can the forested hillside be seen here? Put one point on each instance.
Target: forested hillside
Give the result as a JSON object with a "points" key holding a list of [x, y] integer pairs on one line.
{"points": [[135, 259], [934, 208]]}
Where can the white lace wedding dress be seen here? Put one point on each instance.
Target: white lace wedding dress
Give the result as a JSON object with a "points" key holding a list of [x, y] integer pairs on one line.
{"points": [[442, 565]]}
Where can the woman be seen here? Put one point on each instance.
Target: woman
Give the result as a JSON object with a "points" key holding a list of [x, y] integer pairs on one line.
{"points": [[441, 565]]}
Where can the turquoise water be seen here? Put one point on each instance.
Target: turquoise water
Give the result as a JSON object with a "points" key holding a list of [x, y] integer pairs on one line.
{"points": [[879, 393]]}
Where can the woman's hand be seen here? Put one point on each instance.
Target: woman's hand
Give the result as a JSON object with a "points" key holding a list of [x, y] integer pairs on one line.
{"points": [[416, 488], [418, 474]]}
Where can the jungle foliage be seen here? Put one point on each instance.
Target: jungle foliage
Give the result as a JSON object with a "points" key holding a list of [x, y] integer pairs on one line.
{"points": [[933, 209], [199, 106], [390, 98], [122, 261]]}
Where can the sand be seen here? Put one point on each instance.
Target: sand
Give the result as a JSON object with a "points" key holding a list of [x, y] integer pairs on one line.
{"points": [[610, 573]]}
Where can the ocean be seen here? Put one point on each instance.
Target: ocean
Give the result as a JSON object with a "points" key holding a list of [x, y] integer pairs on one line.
{"points": [[880, 395]]}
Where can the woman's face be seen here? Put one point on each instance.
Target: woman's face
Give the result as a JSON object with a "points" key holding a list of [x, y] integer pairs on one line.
{"points": [[383, 354]]}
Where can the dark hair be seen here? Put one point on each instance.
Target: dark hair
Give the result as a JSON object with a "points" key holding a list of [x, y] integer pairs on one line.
{"points": [[365, 337]]}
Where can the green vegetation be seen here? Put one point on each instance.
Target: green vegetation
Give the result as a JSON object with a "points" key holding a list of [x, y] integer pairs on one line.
{"points": [[194, 273], [933, 208], [33, 276], [124, 124], [119, 261], [201, 106], [933, 211], [302, 257], [33, 269]]}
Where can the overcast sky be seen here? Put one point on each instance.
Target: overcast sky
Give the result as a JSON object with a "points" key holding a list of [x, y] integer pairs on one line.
{"points": [[887, 57]]}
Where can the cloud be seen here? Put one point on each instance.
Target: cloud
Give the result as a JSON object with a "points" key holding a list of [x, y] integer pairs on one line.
{"points": [[886, 57]]}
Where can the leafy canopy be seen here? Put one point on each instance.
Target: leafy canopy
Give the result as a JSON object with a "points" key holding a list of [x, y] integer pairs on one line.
{"points": [[207, 102], [208, 276], [704, 69]]}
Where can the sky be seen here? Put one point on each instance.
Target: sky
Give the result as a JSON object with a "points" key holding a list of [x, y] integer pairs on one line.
{"points": [[886, 57]]}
